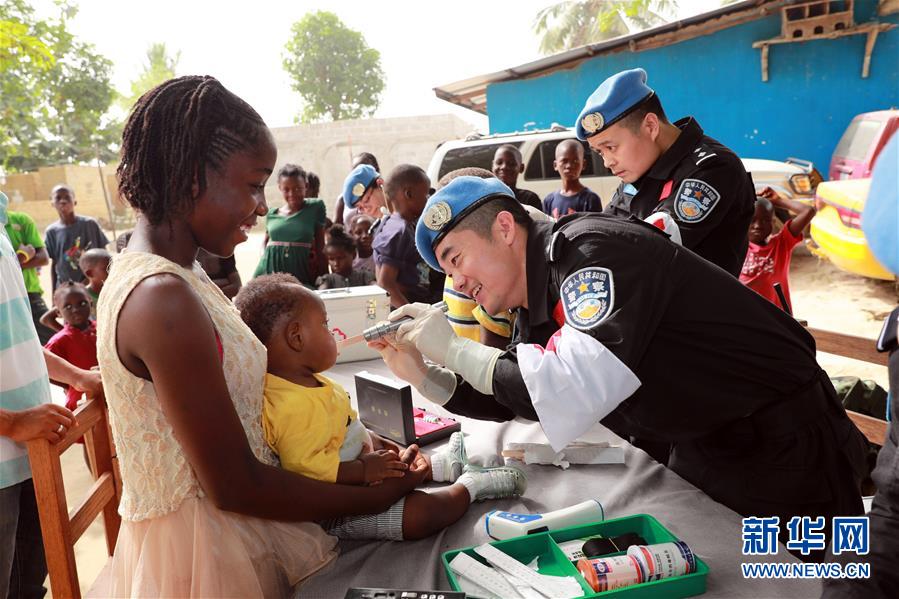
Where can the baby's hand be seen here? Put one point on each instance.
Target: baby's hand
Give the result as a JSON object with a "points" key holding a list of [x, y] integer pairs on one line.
{"points": [[408, 455], [380, 442], [421, 464], [418, 462], [381, 464]]}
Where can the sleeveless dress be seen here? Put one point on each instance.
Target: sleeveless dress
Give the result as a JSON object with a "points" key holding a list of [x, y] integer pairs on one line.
{"points": [[174, 542]]}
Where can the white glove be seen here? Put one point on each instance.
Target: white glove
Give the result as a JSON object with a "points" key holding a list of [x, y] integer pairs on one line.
{"points": [[435, 383], [438, 385], [433, 336], [430, 331]]}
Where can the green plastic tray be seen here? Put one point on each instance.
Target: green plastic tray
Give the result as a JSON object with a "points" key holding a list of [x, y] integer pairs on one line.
{"points": [[551, 559]]}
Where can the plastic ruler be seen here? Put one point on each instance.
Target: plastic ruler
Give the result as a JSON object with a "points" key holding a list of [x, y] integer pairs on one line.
{"points": [[523, 588], [487, 578], [557, 587], [472, 590]]}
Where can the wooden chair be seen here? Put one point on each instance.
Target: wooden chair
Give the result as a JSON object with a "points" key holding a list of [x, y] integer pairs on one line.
{"points": [[59, 527], [857, 348]]}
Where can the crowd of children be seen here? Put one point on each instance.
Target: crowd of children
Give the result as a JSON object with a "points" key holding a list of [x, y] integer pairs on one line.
{"points": [[372, 239]]}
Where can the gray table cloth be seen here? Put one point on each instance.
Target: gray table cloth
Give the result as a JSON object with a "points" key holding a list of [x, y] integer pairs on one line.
{"points": [[640, 486]]}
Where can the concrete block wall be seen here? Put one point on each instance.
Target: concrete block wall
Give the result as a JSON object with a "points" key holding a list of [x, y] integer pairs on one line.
{"points": [[30, 192], [323, 148], [327, 148]]}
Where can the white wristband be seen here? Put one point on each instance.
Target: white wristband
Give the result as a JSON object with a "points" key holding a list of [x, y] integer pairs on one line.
{"points": [[474, 362]]}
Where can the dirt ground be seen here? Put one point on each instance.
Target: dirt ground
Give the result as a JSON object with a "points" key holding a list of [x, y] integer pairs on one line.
{"points": [[823, 295], [831, 299]]}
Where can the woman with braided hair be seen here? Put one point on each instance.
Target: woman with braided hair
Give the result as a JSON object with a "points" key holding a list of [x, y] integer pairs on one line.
{"points": [[205, 510]]}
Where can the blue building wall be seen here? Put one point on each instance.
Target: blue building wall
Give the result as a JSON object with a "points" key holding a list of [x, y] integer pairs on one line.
{"points": [[813, 90]]}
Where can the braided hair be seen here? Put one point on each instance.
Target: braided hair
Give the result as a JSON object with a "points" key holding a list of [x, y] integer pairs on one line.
{"points": [[174, 133]]}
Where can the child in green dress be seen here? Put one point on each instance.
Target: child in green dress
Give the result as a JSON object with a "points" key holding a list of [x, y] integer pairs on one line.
{"points": [[295, 232]]}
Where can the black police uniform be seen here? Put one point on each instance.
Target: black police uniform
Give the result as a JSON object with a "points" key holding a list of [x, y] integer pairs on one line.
{"points": [[727, 378], [528, 198], [884, 515], [716, 224]]}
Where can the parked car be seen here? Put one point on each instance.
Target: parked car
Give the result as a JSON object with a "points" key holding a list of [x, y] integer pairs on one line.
{"points": [[837, 228], [794, 178], [861, 143]]}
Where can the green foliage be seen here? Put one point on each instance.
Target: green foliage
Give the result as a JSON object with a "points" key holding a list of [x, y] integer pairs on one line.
{"points": [[335, 72], [16, 45], [54, 92], [570, 24], [160, 67]]}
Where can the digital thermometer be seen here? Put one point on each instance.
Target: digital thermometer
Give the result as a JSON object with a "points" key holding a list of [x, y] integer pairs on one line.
{"points": [[505, 525]]}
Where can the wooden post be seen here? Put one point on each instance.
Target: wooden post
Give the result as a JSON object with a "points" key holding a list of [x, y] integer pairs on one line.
{"points": [[51, 501], [869, 48], [103, 456], [848, 346], [765, 62], [109, 210]]}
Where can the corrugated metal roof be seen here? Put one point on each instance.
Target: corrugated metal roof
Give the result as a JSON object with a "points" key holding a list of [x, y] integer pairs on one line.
{"points": [[472, 93]]}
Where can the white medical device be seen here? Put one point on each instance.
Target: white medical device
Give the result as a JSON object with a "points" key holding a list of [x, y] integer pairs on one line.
{"points": [[505, 525]]}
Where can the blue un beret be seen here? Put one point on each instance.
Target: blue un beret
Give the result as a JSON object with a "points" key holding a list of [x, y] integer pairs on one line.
{"points": [[357, 182], [446, 208], [880, 218], [613, 100]]}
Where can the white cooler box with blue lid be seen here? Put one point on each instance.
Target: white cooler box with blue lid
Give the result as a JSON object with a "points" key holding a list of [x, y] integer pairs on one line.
{"points": [[351, 310]]}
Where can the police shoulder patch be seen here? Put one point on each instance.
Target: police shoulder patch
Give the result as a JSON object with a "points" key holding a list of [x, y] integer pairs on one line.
{"points": [[587, 296], [703, 153], [695, 200]]}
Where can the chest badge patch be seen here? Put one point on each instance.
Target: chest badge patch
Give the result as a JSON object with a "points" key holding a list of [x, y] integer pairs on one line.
{"points": [[695, 200], [588, 296]]}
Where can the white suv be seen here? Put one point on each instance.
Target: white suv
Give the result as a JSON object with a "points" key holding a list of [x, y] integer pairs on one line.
{"points": [[796, 179]]}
